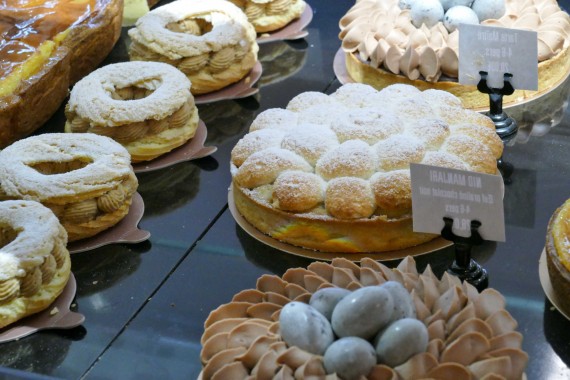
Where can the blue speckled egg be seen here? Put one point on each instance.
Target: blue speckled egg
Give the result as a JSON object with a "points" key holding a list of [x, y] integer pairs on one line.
{"points": [[303, 326], [488, 9], [350, 358], [406, 4], [403, 303], [400, 341], [459, 15], [428, 12], [453, 3], [325, 300], [363, 312]]}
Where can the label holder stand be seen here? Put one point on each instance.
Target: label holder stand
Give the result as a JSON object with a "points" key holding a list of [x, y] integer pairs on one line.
{"points": [[505, 125], [464, 266]]}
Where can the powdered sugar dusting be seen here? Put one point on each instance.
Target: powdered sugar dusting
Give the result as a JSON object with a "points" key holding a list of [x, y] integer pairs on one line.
{"points": [[274, 118], [352, 158], [358, 138], [310, 141]]}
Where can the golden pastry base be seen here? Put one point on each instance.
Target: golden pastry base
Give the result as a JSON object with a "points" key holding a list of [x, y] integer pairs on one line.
{"points": [[293, 31], [552, 73], [422, 249], [547, 286], [44, 320]]}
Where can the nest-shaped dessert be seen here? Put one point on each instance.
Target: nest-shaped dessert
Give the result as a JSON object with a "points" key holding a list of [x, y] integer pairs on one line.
{"points": [[471, 335]]}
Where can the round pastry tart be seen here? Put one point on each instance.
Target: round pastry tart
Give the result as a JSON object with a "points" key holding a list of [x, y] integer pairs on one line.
{"points": [[386, 44], [85, 179], [145, 106], [558, 254], [210, 41], [331, 173], [470, 335], [34, 261], [270, 15]]}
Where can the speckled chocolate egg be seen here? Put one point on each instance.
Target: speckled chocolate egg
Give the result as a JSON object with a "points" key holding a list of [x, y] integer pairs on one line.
{"points": [[303, 326], [428, 12], [488, 9], [400, 341], [350, 358], [447, 4], [459, 15], [403, 303], [363, 312], [325, 300]]}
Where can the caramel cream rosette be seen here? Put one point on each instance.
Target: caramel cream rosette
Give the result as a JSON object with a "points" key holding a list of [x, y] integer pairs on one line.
{"points": [[145, 106], [210, 41], [85, 179], [34, 261], [332, 173], [270, 15], [471, 334], [382, 46]]}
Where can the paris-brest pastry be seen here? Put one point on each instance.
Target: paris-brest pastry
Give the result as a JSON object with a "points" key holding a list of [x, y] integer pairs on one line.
{"points": [[85, 179], [210, 41], [391, 41], [34, 260], [331, 172], [145, 106], [270, 15]]}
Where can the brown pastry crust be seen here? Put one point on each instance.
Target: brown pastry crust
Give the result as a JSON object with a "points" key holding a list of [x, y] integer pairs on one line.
{"points": [[559, 274], [36, 99]]}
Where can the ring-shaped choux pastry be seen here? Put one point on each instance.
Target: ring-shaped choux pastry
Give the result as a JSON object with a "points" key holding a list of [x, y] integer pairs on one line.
{"points": [[270, 15], [210, 41], [145, 106], [34, 260], [86, 180]]}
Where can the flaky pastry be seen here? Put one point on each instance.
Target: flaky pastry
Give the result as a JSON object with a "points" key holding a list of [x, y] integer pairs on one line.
{"points": [[85, 179], [210, 41], [145, 106], [34, 261]]}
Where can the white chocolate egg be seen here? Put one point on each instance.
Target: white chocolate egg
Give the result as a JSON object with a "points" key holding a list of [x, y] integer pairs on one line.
{"points": [[400, 341], [350, 358], [488, 9], [325, 300], [428, 12], [363, 312], [403, 303], [303, 326], [459, 15], [447, 4]]}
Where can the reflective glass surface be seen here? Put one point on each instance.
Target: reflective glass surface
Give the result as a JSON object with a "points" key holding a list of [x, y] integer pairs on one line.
{"points": [[145, 304]]}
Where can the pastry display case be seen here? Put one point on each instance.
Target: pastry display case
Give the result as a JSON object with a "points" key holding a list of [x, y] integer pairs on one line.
{"points": [[145, 304]]}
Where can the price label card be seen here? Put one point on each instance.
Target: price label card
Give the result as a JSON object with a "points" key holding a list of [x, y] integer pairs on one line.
{"points": [[460, 195], [498, 51]]}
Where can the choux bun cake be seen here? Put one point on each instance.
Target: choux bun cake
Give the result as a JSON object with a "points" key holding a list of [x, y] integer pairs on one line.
{"points": [[332, 172], [210, 41], [145, 106], [85, 179], [34, 261]]}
